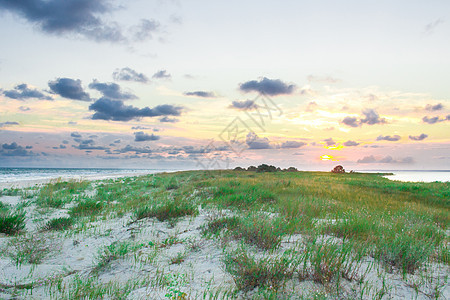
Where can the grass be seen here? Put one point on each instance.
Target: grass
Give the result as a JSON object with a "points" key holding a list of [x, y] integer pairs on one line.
{"points": [[167, 210], [250, 272], [31, 249], [342, 220], [11, 222], [62, 223]]}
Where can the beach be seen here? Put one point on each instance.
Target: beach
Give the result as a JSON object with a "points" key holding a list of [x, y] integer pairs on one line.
{"points": [[226, 235]]}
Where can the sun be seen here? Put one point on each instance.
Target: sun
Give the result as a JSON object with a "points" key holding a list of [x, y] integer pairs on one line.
{"points": [[326, 157]]}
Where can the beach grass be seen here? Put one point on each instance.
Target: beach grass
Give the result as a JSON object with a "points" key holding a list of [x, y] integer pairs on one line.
{"points": [[274, 228]]}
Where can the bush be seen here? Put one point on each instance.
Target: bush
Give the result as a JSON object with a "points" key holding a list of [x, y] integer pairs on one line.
{"points": [[338, 169], [266, 168], [12, 223]]}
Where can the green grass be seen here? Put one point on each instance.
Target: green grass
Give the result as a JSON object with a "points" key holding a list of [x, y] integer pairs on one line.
{"points": [[30, 249], [250, 272], [11, 222], [62, 223]]}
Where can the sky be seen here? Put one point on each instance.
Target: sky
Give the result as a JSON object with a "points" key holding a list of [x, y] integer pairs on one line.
{"points": [[218, 84]]}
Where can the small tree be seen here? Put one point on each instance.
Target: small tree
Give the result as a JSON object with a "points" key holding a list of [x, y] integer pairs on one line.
{"points": [[338, 169]]}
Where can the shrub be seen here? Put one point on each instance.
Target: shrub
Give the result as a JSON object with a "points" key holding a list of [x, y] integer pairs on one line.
{"points": [[338, 169], [12, 223]]}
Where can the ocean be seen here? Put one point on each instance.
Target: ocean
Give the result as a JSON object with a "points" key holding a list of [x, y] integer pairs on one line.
{"points": [[16, 175], [19, 175]]}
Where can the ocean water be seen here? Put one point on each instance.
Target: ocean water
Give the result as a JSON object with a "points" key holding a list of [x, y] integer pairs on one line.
{"points": [[419, 176], [15, 175]]}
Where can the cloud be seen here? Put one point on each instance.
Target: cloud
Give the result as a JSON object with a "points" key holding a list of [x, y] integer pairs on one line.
{"points": [[14, 149], [75, 135], [329, 142], [435, 107], [145, 29], [24, 108], [244, 105], [140, 136], [68, 17], [350, 143], [7, 123], [23, 92], [88, 145], [168, 120], [385, 160], [137, 150], [202, 94], [350, 121], [323, 79], [271, 87], [128, 74], [162, 74], [256, 143], [372, 117], [430, 27], [389, 138], [115, 110], [292, 144], [418, 137], [434, 120], [69, 88], [111, 90]]}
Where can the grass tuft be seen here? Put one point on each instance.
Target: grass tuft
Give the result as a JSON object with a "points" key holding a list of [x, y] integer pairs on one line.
{"points": [[11, 222]]}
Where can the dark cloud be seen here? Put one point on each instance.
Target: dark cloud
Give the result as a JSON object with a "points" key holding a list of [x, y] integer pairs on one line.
{"points": [[14, 149], [168, 120], [389, 138], [72, 123], [68, 17], [137, 150], [329, 142], [24, 108], [201, 94], [350, 143], [69, 88], [418, 137], [435, 107], [351, 121], [267, 86], [115, 110], [434, 120], [162, 74], [75, 135], [139, 128], [367, 160], [141, 136], [23, 92], [292, 144], [145, 29], [128, 74], [385, 160], [88, 145], [256, 143], [8, 123], [244, 105], [372, 117], [65, 142], [111, 90]]}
